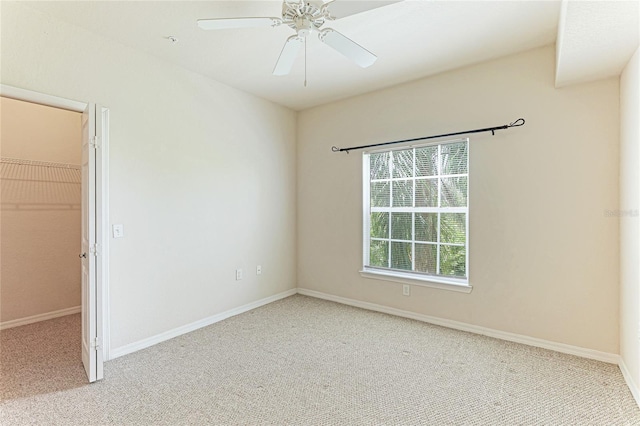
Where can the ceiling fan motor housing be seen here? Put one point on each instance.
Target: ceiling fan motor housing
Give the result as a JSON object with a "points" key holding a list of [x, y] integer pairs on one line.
{"points": [[304, 17]]}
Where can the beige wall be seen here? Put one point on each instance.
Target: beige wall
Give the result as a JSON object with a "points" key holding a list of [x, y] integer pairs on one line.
{"points": [[629, 218], [201, 175], [37, 132], [40, 211], [543, 253]]}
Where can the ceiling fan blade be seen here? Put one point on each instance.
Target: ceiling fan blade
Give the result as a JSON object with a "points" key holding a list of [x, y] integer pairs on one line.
{"points": [[288, 55], [227, 23], [341, 8], [347, 47]]}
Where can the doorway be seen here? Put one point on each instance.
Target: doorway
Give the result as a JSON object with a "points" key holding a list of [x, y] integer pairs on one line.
{"points": [[80, 188]]}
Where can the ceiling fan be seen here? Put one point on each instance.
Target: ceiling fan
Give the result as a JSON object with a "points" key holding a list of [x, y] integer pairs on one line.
{"points": [[306, 17]]}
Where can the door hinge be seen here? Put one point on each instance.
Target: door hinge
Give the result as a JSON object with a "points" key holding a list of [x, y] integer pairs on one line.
{"points": [[94, 249], [95, 343], [94, 141]]}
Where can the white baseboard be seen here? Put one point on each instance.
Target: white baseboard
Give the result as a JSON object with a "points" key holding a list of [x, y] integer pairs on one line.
{"points": [[150, 341], [40, 317], [633, 386], [511, 337]]}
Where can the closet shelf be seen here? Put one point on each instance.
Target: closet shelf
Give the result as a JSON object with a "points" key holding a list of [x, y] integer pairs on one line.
{"points": [[17, 169]]}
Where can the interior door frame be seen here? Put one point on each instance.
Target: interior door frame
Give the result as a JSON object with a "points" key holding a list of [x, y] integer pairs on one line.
{"points": [[101, 194]]}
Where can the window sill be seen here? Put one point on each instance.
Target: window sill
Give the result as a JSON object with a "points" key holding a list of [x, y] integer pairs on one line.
{"points": [[433, 282]]}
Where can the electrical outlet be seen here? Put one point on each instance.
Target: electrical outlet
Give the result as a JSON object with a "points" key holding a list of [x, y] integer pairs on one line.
{"points": [[406, 290], [238, 274], [258, 269]]}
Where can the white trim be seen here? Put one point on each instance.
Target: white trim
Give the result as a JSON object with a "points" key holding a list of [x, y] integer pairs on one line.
{"points": [[415, 279], [40, 317], [104, 227], [503, 335], [170, 334], [633, 386], [366, 208], [41, 98]]}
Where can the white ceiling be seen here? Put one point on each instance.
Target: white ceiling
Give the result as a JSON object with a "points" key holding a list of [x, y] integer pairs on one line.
{"points": [[412, 39]]}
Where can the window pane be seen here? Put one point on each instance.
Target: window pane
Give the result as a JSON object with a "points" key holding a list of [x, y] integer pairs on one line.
{"points": [[401, 255], [403, 163], [379, 165], [402, 193], [426, 227], [427, 193], [454, 192], [453, 228], [379, 253], [452, 261], [426, 258], [453, 157], [427, 161], [401, 226], [380, 194], [379, 225]]}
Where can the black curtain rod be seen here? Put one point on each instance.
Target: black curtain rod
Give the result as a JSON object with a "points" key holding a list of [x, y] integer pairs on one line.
{"points": [[519, 122]]}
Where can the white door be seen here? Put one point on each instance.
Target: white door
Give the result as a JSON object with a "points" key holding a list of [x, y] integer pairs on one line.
{"points": [[91, 320]]}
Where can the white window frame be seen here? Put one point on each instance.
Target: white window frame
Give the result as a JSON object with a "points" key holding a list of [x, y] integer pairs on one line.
{"points": [[411, 277]]}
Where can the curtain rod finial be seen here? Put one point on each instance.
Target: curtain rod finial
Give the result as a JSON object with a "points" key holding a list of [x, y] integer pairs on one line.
{"points": [[519, 122], [335, 149]]}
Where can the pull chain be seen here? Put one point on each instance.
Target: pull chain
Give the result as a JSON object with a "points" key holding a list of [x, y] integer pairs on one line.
{"points": [[305, 62]]}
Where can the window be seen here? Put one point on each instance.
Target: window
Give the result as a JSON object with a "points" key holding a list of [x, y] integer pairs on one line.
{"points": [[416, 212]]}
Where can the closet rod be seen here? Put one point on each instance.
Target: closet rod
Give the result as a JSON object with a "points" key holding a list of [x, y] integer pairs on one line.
{"points": [[519, 122]]}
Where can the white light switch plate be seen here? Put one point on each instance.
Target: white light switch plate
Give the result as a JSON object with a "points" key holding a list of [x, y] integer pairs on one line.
{"points": [[118, 231]]}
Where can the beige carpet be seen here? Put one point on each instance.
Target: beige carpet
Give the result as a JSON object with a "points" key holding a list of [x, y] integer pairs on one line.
{"points": [[305, 361]]}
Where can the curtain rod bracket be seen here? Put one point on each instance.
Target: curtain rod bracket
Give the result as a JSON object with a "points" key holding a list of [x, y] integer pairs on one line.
{"points": [[519, 122]]}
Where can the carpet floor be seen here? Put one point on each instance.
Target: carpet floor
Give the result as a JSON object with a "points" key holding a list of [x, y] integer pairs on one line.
{"points": [[305, 361]]}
